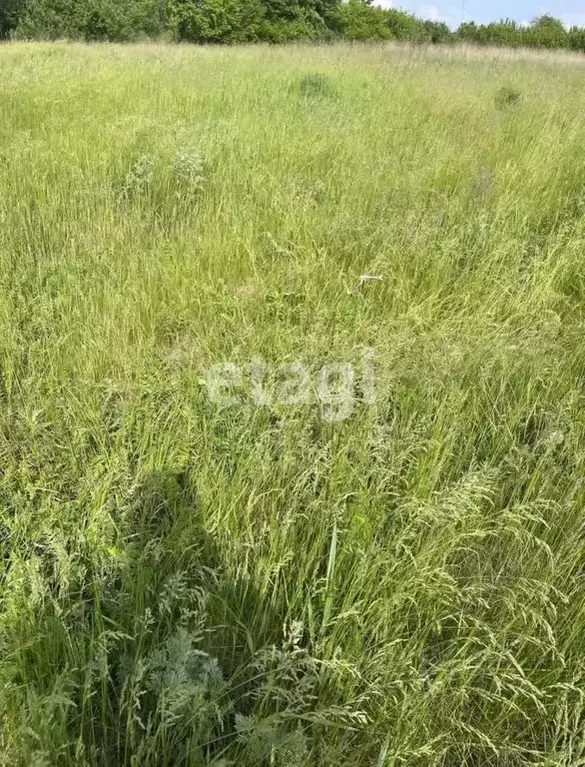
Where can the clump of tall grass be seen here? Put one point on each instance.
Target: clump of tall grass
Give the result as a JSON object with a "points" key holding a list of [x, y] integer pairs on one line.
{"points": [[316, 85], [507, 96]]}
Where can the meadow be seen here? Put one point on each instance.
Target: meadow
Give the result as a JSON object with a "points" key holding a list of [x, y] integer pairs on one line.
{"points": [[191, 582]]}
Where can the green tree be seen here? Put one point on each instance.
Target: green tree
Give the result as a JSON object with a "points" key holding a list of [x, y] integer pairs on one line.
{"points": [[122, 20], [312, 19], [276, 21], [437, 31], [576, 39], [547, 32], [405, 26], [10, 12], [117, 20], [362, 21], [216, 21], [505, 33], [51, 19]]}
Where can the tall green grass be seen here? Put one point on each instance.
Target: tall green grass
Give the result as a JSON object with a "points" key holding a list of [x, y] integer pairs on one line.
{"points": [[185, 583]]}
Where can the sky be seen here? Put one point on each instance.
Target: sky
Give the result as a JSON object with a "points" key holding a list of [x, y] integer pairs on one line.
{"points": [[572, 12]]}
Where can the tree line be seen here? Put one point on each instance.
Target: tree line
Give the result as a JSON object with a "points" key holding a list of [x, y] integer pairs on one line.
{"points": [[273, 21]]}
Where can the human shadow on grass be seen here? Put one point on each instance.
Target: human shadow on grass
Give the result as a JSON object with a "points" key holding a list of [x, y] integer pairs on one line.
{"points": [[190, 665]]}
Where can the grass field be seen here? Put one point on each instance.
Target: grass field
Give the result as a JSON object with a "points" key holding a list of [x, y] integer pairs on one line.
{"points": [[187, 582]]}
